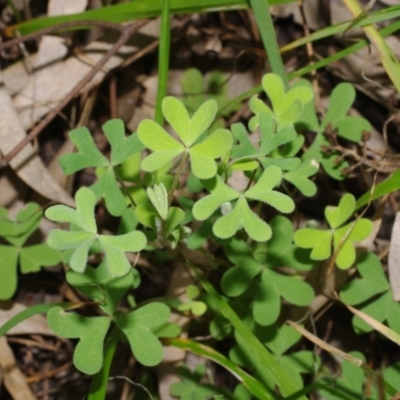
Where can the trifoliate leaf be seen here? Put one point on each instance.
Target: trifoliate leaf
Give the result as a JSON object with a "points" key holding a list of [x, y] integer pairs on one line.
{"points": [[81, 241], [320, 241], [137, 327]]}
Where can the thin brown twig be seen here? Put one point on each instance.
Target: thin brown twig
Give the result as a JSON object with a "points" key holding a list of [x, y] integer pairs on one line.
{"points": [[128, 31]]}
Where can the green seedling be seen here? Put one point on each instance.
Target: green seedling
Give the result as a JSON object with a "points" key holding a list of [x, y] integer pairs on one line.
{"points": [[165, 148], [335, 122], [30, 258], [343, 237], [83, 235], [241, 216], [89, 156], [198, 89], [196, 307], [372, 293], [286, 107], [259, 270]]}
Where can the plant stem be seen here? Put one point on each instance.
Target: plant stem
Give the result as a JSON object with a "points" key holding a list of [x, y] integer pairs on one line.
{"points": [[163, 60], [98, 386], [267, 31], [176, 178]]}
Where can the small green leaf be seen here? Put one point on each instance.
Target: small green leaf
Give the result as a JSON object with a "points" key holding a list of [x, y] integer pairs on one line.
{"points": [[115, 248], [202, 155], [108, 188], [220, 193], [262, 190], [242, 216], [299, 177], [121, 147], [36, 256], [137, 327], [337, 216], [159, 198], [318, 240], [88, 156]]}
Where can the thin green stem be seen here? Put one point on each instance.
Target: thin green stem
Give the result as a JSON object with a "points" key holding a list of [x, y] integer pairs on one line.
{"points": [[163, 60], [176, 178], [267, 31], [98, 386]]}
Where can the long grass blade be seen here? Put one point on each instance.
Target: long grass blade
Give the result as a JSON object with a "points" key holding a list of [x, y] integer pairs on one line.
{"points": [[386, 55], [266, 364], [267, 32], [253, 385], [134, 10], [163, 59]]}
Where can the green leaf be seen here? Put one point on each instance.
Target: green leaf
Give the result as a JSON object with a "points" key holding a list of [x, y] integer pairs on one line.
{"points": [[242, 216], [88, 156], [83, 216], [88, 354], [299, 177], [8, 271], [159, 198], [352, 128], [121, 147], [202, 155], [267, 293], [26, 222], [154, 137], [115, 248], [262, 190], [318, 240], [220, 193], [137, 327], [342, 98], [108, 188], [353, 232], [337, 216], [36, 256]]}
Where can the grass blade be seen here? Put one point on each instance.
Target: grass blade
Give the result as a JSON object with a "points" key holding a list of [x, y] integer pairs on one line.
{"points": [[30, 312], [134, 10], [267, 31], [265, 363], [254, 386], [389, 185], [163, 60], [386, 55]]}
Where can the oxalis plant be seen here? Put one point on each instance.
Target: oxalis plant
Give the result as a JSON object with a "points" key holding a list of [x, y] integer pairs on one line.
{"points": [[262, 258]]}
